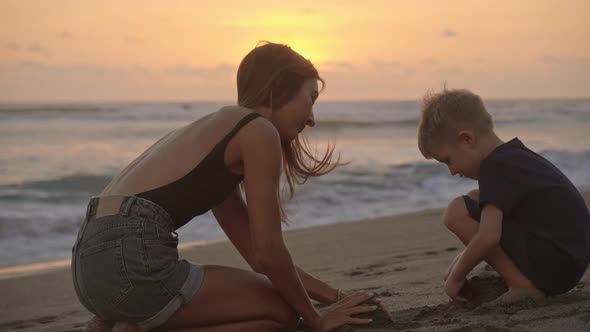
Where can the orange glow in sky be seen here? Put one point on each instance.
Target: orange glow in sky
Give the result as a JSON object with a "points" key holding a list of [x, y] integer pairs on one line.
{"points": [[374, 49]]}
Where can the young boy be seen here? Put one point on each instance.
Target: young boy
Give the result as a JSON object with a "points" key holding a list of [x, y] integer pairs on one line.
{"points": [[527, 220]]}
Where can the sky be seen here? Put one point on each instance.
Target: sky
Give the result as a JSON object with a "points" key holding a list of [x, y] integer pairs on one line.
{"points": [[180, 50]]}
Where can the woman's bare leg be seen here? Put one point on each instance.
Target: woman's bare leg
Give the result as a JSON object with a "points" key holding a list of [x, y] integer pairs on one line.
{"points": [[234, 300], [253, 326], [229, 300]]}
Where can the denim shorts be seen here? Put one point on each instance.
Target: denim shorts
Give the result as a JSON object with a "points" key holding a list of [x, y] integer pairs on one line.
{"points": [[125, 264]]}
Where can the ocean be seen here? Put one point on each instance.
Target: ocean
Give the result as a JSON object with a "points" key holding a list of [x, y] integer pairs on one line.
{"points": [[53, 157]]}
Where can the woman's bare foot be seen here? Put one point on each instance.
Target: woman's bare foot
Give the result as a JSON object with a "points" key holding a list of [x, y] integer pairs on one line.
{"points": [[452, 265]]}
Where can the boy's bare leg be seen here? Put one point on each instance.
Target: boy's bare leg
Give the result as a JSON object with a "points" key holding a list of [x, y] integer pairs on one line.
{"points": [[126, 327], [459, 222], [99, 325]]}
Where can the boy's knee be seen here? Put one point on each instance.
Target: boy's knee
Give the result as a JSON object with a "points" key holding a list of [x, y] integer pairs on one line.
{"points": [[474, 195], [455, 209]]}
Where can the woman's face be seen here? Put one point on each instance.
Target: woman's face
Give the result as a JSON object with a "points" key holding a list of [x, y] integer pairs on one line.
{"points": [[294, 116]]}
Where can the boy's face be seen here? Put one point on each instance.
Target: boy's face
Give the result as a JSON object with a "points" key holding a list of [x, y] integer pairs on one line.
{"points": [[461, 157]]}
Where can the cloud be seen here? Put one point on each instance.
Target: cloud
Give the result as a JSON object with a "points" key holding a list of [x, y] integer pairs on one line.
{"points": [[65, 35], [430, 62], [553, 76], [11, 46], [385, 64], [28, 81], [392, 69], [478, 60], [335, 65], [34, 48], [38, 49], [400, 69], [184, 70], [200, 72], [449, 33], [30, 64], [564, 60], [454, 70], [342, 74], [131, 40]]}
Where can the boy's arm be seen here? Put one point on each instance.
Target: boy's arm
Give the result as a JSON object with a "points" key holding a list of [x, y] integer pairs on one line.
{"points": [[487, 237]]}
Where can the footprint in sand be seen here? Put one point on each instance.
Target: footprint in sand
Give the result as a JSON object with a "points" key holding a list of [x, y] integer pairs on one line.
{"points": [[434, 252], [447, 321], [374, 270], [388, 293], [365, 289], [385, 293], [21, 324], [480, 327], [375, 266], [369, 270], [417, 282]]}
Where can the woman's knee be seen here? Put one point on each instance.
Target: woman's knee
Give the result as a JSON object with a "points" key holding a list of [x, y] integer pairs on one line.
{"points": [[286, 317], [270, 326]]}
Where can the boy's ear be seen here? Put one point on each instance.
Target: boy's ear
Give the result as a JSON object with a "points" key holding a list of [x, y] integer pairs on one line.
{"points": [[467, 136]]}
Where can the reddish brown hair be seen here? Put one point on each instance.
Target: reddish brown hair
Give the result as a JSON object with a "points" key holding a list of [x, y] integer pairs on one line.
{"points": [[270, 76]]}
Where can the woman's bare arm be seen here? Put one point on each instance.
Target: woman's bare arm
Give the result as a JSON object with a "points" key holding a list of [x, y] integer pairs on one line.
{"points": [[260, 149], [232, 216]]}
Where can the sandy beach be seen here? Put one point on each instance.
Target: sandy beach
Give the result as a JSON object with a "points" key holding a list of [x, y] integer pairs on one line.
{"points": [[401, 258]]}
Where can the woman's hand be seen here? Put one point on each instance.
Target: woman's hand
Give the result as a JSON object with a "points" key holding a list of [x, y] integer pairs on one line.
{"points": [[340, 313], [342, 295]]}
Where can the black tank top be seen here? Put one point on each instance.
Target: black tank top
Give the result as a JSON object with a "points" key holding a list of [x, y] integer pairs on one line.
{"points": [[203, 188]]}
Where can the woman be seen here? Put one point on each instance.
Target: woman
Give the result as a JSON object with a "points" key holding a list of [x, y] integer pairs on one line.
{"points": [[125, 262]]}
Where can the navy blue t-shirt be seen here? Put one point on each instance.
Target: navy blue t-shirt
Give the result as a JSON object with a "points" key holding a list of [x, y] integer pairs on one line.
{"points": [[537, 197]]}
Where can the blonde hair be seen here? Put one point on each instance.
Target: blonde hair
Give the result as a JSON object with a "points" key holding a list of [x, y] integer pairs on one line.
{"points": [[446, 113]]}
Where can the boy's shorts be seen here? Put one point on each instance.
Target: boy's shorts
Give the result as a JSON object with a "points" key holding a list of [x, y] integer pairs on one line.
{"points": [[546, 266]]}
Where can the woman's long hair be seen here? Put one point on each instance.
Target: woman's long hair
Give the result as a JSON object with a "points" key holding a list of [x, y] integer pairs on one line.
{"points": [[270, 76]]}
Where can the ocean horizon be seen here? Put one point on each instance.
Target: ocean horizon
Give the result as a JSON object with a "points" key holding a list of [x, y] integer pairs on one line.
{"points": [[54, 156]]}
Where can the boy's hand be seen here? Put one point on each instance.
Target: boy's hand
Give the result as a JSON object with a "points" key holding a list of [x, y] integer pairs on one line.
{"points": [[451, 266], [453, 287]]}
